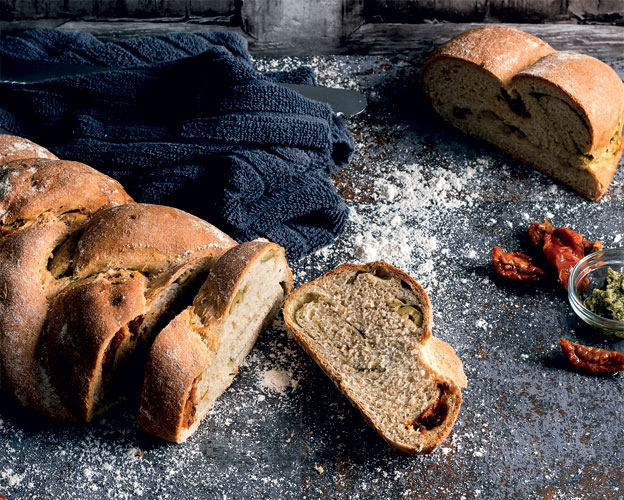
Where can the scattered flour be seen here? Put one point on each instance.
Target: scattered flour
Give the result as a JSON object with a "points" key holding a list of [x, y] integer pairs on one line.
{"points": [[401, 224], [277, 380], [12, 478]]}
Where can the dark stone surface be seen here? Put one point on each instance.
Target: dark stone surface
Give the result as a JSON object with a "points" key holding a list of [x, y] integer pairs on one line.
{"points": [[530, 427]]}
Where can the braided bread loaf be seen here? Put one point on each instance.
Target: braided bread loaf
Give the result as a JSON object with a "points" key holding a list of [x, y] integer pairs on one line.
{"points": [[88, 279], [560, 112]]}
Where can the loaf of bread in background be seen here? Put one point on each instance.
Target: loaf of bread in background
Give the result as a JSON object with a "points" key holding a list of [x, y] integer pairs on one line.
{"points": [[369, 328], [560, 112]]}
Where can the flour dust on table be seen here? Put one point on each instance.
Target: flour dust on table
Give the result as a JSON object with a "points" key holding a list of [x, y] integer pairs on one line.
{"points": [[528, 428]]}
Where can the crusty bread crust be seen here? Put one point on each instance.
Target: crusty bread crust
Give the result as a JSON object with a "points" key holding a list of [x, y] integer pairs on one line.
{"points": [[147, 238], [23, 312], [591, 85], [176, 359], [42, 200], [33, 186], [498, 50], [216, 295], [517, 62], [16, 148], [86, 276], [437, 355], [184, 350], [84, 319]]}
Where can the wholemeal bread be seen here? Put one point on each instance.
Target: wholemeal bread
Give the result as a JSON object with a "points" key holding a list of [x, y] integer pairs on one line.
{"points": [[194, 359], [88, 278], [369, 328], [561, 112]]}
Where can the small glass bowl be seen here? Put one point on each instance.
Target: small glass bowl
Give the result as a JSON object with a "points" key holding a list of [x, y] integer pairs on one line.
{"points": [[594, 267]]}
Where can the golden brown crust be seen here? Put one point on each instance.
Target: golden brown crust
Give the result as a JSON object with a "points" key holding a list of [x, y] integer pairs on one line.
{"points": [[23, 311], [84, 320], [30, 187], [217, 293], [176, 359], [499, 50], [443, 359], [452, 376], [91, 318], [17, 148], [148, 238], [591, 85]]}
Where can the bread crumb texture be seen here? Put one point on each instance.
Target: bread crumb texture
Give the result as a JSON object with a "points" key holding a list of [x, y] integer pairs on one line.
{"points": [[560, 112], [369, 328]]}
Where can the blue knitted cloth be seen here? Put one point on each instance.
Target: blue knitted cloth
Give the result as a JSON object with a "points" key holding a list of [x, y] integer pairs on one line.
{"points": [[189, 123]]}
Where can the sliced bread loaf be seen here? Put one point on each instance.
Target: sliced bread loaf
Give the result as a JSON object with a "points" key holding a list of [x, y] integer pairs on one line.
{"points": [[127, 270], [560, 112], [369, 329], [196, 356]]}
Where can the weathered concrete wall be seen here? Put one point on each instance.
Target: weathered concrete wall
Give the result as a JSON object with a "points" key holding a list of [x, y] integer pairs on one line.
{"points": [[31, 9], [329, 18]]}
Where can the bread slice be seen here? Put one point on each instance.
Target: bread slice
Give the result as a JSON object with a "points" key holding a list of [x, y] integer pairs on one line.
{"points": [[560, 112], [369, 328], [195, 358]]}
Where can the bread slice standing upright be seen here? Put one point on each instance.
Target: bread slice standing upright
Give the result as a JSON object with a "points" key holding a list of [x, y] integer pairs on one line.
{"points": [[196, 356], [561, 112], [369, 328]]}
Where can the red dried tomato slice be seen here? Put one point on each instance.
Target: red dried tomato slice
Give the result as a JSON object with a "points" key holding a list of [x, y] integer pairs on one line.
{"points": [[515, 265], [592, 359]]}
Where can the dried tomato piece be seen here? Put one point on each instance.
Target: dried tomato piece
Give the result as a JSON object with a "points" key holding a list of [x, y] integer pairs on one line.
{"points": [[592, 359], [515, 265], [435, 414], [537, 230], [563, 248], [134, 325], [111, 350]]}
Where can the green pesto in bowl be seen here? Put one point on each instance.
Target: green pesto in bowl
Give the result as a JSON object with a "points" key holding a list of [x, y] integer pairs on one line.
{"points": [[608, 301]]}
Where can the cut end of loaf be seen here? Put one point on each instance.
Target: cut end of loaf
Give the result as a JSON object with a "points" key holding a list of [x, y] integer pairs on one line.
{"points": [[560, 112], [369, 328], [240, 297]]}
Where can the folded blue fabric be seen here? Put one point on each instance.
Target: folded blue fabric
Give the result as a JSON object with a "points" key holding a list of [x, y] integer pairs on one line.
{"points": [[189, 122]]}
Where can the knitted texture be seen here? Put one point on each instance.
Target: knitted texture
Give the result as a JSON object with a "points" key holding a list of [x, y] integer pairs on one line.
{"points": [[185, 120]]}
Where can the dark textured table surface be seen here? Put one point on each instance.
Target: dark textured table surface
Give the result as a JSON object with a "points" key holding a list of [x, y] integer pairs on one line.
{"points": [[433, 202]]}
